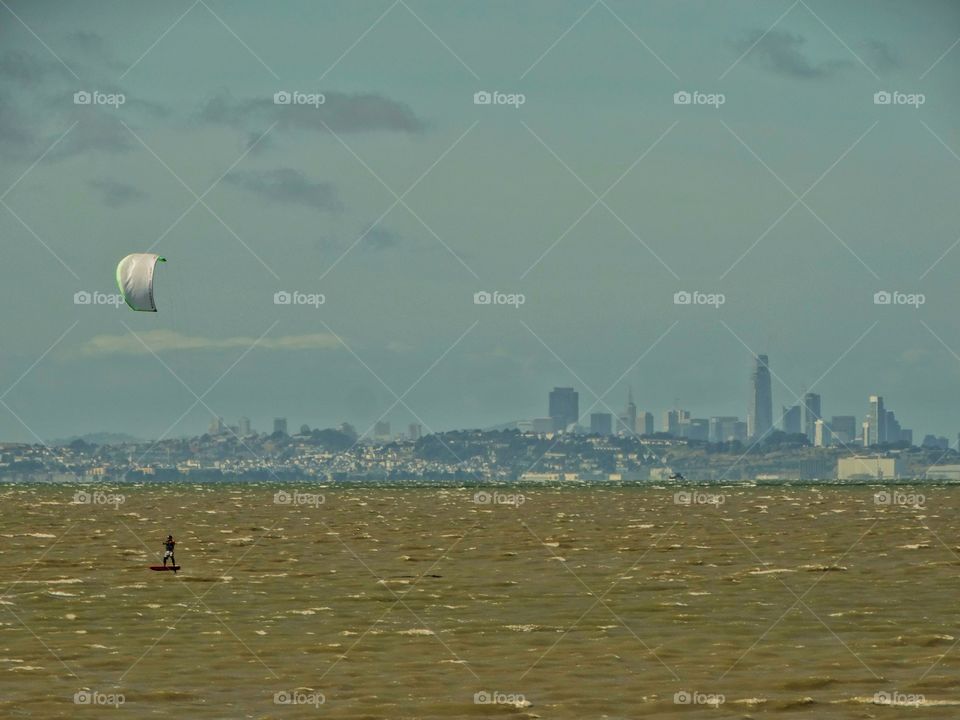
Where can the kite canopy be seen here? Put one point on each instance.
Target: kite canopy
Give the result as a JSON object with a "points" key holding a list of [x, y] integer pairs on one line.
{"points": [[135, 280]]}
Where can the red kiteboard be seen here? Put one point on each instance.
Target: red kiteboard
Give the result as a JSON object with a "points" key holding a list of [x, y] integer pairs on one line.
{"points": [[164, 567]]}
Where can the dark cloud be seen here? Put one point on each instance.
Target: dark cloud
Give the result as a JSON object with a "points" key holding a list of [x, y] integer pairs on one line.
{"points": [[782, 52], [380, 238], [97, 130], [341, 113], [26, 69], [115, 193], [881, 56], [287, 185], [16, 135]]}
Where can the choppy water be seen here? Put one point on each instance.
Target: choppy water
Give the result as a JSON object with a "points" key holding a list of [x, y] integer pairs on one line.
{"points": [[393, 603]]}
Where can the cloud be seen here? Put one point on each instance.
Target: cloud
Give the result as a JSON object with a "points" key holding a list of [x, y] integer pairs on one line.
{"points": [[160, 341], [782, 53], [341, 113], [116, 194], [288, 185], [26, 69], [380, 238], [880, 56], [93, 47]]}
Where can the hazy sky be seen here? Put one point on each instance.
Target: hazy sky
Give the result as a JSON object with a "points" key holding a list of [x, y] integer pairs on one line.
{"points": [[798, 198]]}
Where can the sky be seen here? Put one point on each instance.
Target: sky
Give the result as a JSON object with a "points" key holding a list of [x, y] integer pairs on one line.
{"points": [[782, 198]]}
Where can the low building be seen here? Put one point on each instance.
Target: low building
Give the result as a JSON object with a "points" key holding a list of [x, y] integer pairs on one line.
{"points": [[944, 472], [871, 467]]}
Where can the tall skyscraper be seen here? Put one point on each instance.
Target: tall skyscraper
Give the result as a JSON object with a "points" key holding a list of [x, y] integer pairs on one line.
{"points": [[760, 412], [415, 431], [630, 417], [645, 423], [381, 430], [821, 434], [811, 413], [790, 420], [564, 407], [244, 427], [877, 417], [280, 426], [601, 423], [724, 429]]}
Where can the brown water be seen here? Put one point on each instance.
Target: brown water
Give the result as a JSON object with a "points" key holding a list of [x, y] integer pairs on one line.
{"points": [[404, 603]]}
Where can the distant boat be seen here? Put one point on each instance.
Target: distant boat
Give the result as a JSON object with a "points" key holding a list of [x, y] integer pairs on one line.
{"points": [[676, 476]]}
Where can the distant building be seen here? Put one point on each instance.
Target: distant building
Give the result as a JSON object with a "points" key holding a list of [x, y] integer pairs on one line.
{"points": [[630, 416], [645, 423], [843, 428], [304, 429], [601, 423], [673, 419], [935, 443], [695, 429], [811, 413], [415, 431], [216, 426], [724, 429], [564, 407], [347, 429], [817, 469], [869, 468], [542, 426], [876, 422], [760, 411], [280, 426], [944, 472], [244, 427], [790, 421], [381, 430], [821, 434]]}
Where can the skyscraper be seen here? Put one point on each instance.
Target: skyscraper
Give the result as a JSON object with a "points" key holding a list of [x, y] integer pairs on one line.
{"points": [[821, 434], [244, 427], [630, 417], [645, 423], [381, 430], [844, 428], [760, 412], [877, 417], [280, 426], [790, 420], [415, 431], [564, 407], [601, 424], [811, 413]]}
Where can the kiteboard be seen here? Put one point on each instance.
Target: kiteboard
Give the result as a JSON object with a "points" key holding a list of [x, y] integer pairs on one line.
{"points": [[164, 567]]}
